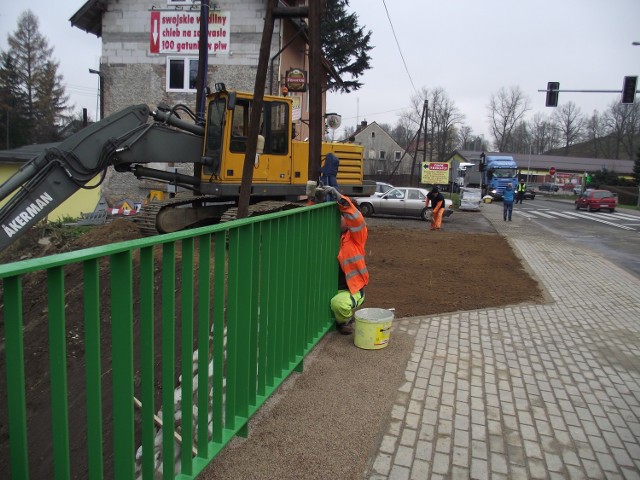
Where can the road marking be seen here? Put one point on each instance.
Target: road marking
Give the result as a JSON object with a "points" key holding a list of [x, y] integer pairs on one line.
{"points": [[625, 216], [543, 215], [593, 216]]}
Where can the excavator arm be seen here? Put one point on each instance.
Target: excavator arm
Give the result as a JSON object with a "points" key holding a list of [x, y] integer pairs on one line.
{"points": [[123, 140]]}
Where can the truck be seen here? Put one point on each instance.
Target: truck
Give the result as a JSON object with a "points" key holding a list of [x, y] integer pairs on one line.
{"points": [[134, 137], [493, 174]]}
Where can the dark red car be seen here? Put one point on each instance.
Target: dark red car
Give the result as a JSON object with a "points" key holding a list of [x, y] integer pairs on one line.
{"points": [[597, 200]]}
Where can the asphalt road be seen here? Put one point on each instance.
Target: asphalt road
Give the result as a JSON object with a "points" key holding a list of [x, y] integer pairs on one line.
{"points": [[616, 236]]}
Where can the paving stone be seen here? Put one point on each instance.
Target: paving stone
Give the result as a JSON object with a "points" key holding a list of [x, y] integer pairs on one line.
{"points": [[524, 391]]}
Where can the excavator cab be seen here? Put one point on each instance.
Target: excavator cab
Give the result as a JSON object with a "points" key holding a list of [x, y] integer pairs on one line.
{"points": [[227, 131]]}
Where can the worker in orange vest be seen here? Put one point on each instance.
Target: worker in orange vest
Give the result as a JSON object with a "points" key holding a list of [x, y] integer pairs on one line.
{"points": [[437, 203], [353, 275]]}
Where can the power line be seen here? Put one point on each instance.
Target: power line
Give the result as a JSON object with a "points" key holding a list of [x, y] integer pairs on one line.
{"points": [[398, 44], [378, 113]]}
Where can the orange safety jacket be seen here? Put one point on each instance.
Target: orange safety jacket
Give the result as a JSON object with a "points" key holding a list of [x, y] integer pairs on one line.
{"points": [[352, 242]]}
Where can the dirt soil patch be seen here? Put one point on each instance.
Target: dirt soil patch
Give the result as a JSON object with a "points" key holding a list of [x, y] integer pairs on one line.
{"points": [[413, 270]]}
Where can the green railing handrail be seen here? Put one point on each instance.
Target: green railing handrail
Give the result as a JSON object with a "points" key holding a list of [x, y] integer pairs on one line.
{"points": [[253, 300]]}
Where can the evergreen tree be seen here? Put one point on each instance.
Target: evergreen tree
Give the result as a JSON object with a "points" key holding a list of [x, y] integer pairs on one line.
{"points": [[51, 104], [14, 126], [38, 81], [345, 44]]}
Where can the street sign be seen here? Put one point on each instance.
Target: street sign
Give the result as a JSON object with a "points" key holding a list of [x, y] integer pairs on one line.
{"points": [[552, 171]]}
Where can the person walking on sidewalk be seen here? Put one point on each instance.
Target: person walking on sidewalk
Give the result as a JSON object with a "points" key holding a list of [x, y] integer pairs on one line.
{"points": [[507, 200], [522, 187], [437, 203], [353, 275]]}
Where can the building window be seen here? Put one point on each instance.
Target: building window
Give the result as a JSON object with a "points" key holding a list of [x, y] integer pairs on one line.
{"points": [[382, 154], [373, 134], [182, 74], [398, 155]]}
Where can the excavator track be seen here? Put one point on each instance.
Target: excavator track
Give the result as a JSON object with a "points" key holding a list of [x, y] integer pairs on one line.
{"points": [[260, 208], [146, 218]]}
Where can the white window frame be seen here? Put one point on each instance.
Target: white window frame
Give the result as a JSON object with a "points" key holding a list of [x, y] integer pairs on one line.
{"points": [[383, 154], [397, 155], [187, 63]]}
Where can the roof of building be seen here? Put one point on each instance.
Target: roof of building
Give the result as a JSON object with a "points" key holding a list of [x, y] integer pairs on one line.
{"points": [[89, 16], [25, 153]]}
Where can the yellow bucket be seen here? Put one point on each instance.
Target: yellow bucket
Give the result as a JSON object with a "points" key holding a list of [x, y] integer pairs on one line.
{"points": [[373, 328]]}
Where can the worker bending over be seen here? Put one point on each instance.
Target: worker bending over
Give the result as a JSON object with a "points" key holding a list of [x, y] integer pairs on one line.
{"points": [[437, 203], [352, 274]]}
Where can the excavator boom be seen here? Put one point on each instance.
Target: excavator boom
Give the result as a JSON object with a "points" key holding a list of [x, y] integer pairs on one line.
{"points": [[52, 177]]}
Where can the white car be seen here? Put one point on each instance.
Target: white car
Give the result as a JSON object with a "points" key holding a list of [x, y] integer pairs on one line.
{"points": [[382, 188], [401, 201]]}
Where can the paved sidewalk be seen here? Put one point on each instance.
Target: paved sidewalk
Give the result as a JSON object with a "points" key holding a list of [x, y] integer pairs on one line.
{"points": [[545, 391]]}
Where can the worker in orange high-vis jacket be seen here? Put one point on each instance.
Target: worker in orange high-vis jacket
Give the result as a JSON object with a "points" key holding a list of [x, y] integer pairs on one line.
{"points": [[352, 274], [437, 202]]}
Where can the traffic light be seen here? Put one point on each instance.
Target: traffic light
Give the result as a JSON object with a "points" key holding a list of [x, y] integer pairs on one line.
{"points": [[629, 90], [552, 94]]}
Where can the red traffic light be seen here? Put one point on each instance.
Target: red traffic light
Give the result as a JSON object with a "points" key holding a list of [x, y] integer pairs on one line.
{"points": [[552, 171]]}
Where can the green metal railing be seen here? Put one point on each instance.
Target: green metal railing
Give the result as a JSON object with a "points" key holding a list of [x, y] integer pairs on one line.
{"points": [[217, 317]]}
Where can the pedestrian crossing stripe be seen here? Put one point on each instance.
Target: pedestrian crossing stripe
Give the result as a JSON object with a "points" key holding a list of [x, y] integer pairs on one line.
{"points": [[593, 216]]}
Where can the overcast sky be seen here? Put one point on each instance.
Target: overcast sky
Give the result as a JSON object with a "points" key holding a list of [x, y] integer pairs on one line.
{"points": [[471, 48], [75, 50]]}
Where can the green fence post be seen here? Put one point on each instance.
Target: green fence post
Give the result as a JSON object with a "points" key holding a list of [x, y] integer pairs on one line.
{"points": [[58, 369], [168, 357], [186, 354], [92, 352], [17, 409], [147, 384], [204, 304], [122, 364]]}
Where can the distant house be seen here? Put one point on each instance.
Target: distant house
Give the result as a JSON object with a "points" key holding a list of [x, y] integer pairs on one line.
{"points": [[382, 154]]}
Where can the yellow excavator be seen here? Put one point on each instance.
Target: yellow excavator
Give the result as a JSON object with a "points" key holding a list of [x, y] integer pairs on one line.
{"points": [[135, 137]]}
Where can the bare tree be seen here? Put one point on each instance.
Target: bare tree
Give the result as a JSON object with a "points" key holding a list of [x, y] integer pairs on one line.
{"points": [[596, 133], [570, 123], [403, 132], [632, 130], [349, 132], [623, 123], [520, 138], [544, 135], [506, 108], [465, 137]]}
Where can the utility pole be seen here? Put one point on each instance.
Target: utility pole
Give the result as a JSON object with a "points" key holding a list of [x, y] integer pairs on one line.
{"points": [[316, 121], [201, 79], [423, 121], [272, 12]]}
